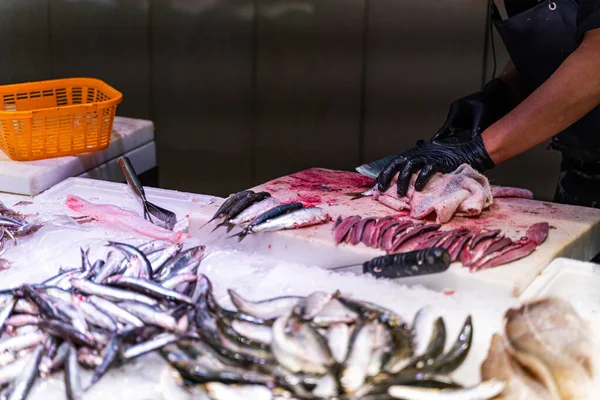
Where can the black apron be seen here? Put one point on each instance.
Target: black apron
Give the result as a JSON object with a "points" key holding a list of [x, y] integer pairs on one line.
{"points": [[538, 40]]}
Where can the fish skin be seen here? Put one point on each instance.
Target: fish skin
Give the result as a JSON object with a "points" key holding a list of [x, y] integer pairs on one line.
{"points": [[334, 312], [50, 365], [451, 360], [242, 205], [520, 383], [11, 371], [255, 210], [6, 312], [382, 223], [134, 253], [309, 306], [508, 254], [266, 309], [112, 264], [94, 315], [551, 330], [17, 343], [73, 376], [162, 256], [369, 310], [227, 204], [23, 384], [267, 216], [176, 280]]}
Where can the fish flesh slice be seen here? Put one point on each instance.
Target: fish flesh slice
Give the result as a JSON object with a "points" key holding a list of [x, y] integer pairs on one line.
{"points": [[122, 219], [342, 230], [359, 229]]}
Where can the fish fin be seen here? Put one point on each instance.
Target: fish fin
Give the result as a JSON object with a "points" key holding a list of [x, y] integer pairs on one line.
{"points": [[230, 227], [241, 235]]}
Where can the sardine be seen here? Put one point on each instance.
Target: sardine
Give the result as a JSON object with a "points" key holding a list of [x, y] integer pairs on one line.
{"points": [[110, 293], [354, 370], [266, 309]]}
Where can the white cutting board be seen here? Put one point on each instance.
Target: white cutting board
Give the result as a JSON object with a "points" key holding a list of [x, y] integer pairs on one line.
{"points": [[33, 177], [574, 233]]}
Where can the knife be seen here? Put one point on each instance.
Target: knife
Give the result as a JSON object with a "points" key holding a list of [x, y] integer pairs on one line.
{"points": [[373, 168], [403, 265]]}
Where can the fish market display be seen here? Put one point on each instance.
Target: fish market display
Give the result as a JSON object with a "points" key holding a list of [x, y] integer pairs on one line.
{"points": [[260, 212], [464, 192], [549, 352], [107, 312], [13, 225], [475, 249], [122, 219]]}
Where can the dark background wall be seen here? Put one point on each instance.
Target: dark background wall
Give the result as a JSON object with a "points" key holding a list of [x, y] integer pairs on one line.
{"points": [[242, 91]]}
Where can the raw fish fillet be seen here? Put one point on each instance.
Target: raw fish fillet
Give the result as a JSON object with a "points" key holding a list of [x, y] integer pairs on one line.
{"points": [[122, 219], [464, 192]]}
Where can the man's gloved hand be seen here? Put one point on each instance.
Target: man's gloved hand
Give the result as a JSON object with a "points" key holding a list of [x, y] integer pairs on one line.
{"points": [[476, 112], [443, 155]]}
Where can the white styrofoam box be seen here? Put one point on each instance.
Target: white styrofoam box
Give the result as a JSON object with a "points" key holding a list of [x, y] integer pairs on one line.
{"points": [[143, 159], [33, 177]]}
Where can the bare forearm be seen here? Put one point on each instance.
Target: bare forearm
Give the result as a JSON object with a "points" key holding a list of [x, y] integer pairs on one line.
{"points": [[570, 93]]}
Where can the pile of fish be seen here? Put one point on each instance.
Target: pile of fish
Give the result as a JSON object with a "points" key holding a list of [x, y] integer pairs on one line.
{"points": [[322, 346], [104, 314], [97, 316], [475, 249], [549, 352], [260, 212], [12, 226], [463, 192]]}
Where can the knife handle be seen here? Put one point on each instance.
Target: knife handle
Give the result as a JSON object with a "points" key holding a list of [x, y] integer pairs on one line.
{"points": [[131, 177], [413, 263]]}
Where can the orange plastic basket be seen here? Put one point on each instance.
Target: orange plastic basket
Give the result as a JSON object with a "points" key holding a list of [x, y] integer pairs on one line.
{"points": [[56, 118]]}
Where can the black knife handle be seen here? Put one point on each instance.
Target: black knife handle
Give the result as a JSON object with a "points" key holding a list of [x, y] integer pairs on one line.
{"points": [[413, 263]]}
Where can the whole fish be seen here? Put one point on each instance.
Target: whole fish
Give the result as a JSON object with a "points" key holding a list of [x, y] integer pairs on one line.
{"points": [[292, 220], [150, 315], [255, 210], [338, 337], [116, 312], [23, 384], [308, 307], [110, 293], [268, 215], [73, 375], [266, 309], [227, 204], [133, 253], [151, 345], [256, 332], [242, 205], [354, 370]]}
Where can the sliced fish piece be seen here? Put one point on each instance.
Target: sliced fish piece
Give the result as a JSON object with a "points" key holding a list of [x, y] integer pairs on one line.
{"points": [[412, 232], [344, 227], [537, 233], [359, 230], [508, 254]]}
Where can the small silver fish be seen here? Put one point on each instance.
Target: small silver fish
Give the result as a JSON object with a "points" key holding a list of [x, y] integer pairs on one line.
{"points": [[483, 391], [23, 384], [266, 309]]}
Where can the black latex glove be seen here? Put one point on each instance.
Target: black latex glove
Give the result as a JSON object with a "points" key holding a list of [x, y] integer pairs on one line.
{"points": [[476, 112], [436, 156]]}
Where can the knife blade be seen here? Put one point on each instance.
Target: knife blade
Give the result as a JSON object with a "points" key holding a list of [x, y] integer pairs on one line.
{"points": [[373, 168], [403, 265]]}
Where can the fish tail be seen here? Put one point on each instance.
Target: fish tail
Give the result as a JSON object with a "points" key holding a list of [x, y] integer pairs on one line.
{"points": [[218, 226], [230, 226]]}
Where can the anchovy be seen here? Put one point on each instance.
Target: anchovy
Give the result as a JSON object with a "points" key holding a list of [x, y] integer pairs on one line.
{"points": [[255, 332], [49, 365], [94, 315], [6, 312], [110, 267], [151, 345], [11, 371], [354, 370], [110, 293], [116, 312], [178, 279], [148, 288], [21, 342], [45, 307], [162, 256], [72, 376], [150, 315], [255, 210], [308, 307], [183, 259], [292, 220], [111, 356], [65, 331], [133, 252], [338, 337], [22, 386]]}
